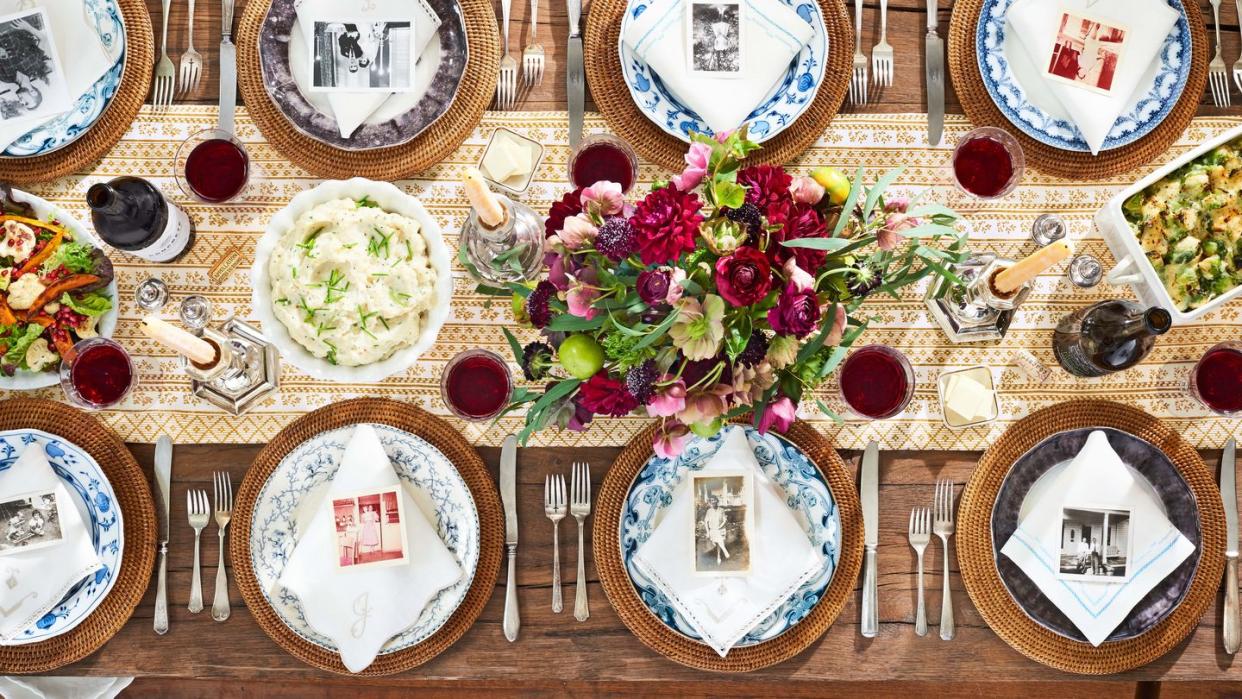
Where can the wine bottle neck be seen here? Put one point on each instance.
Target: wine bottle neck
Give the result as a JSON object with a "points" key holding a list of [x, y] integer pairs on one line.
{"points": [[107, 200]]}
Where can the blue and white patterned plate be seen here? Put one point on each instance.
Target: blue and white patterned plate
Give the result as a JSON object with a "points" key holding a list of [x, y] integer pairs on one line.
{"points": [[807, 494], [93, 496], [438, 489], [105, 16], [1046, 121], [787, 101]]}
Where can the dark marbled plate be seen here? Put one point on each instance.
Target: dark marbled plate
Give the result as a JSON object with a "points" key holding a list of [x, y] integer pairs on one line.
{"points": [[274, 37], [1152, 464]]}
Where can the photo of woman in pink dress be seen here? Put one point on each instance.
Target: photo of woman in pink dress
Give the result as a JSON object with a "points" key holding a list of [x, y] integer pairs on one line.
{"points": [[370, 528]]}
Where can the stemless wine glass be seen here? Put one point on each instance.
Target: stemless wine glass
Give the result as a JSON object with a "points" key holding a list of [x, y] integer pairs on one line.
{"points": [[977, 162], [1216, 380], [876, 382], [476, 385], [98, 374], [601, 156], [212, 166]]}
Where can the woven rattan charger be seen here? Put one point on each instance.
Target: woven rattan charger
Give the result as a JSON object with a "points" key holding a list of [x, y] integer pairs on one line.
{"points": [[663, 640], [117, 117], [444, 136], [978, 105], [612, 96], [133, 496], [977, 559], [439, 434]]}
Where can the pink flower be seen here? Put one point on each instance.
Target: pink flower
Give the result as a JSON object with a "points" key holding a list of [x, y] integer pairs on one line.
{"points": [[706, 404], [603, 198], [722, 136], [838, 328], [696, 167], [889, 236], [805, 190], [581, 294], [669, 400], [897, 205], [558, 270], [577, 233], [797, 276], [670, 439], [779, 414]]}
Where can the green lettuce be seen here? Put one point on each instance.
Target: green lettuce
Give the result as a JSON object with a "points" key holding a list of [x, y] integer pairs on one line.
{"points": [[21, 341], [92, 304], [78, 258]]}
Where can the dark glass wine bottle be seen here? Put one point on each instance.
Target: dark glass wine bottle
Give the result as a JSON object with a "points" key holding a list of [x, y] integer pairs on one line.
{"points": [[130, 214], [1107, 337]]}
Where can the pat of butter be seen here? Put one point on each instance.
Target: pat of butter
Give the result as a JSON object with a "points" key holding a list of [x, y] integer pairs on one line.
{"points": [[968, 397], [507, 161]]}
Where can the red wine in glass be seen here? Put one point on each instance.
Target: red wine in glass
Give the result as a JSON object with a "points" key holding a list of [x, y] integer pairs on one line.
{"points": [[876, 381], [1217, 379], [987, 163], [476, 385], [603, 158], [217, 170], [100, 374]]}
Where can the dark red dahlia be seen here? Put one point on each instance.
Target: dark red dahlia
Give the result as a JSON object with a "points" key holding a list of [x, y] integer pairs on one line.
{"points": [[538, 307], [603, 395], [797, 221], [667, 222], [764, 184], [616, 239], [569, 205]]}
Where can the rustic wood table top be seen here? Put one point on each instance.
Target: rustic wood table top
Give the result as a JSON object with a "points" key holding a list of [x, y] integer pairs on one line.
{"points": [[557, 652]]}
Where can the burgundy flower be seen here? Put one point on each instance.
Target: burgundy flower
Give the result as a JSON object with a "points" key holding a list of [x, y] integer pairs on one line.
{"points": [[780, 414], [616, 239], [744, 277], [569, 205], [796, 221], [653, 285], [764, 184], [796, 312], [667, 222], [640, 381], [603, 395], [537, 304]]}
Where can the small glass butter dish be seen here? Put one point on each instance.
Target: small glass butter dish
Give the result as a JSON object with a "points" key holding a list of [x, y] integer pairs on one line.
{"points": [[510, 160], [968, 397]]}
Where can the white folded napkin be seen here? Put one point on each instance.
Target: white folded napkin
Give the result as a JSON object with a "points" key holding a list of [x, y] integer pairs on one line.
{"points": [[63, 687], [82, 56], [1036, 24], [33, 581], [724, 609], [352, 108], [360, 608], [1096, 477], [774, 34]]}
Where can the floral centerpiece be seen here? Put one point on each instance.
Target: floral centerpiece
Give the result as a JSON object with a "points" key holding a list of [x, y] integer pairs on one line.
{"points": [[726, 290]]}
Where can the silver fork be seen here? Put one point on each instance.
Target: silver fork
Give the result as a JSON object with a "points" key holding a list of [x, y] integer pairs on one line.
{"points": [[580, 507], [191, 61], [920, 536], [882, 52], [224, 512], [943, 528], [506, 85], [200, 515], [554, 506], [858, 82], [1237, 65], [164, 85], [1217, 77], [532, 57]]}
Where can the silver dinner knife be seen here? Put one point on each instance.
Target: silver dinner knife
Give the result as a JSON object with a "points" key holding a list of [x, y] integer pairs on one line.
{"points": [[163, 477], [508, 496], [871, 536], [228, 71], [575, 78], [1229, 496], [935, 78]]}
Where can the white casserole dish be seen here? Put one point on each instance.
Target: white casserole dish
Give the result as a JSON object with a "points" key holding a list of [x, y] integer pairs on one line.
{"points": [[1133, 267]]}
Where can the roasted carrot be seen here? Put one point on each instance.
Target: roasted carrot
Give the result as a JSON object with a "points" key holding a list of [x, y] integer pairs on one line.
{"points": [[63, 345], [40, 257], [6, 314], [43, 320], [33, 222], [58, 287]]}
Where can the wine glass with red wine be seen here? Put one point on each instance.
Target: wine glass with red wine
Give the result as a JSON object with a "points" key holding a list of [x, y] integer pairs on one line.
{"points": [[988, 162], [97, 375], [1216, 380], [877, 382], [476, 385], [212, 166]]}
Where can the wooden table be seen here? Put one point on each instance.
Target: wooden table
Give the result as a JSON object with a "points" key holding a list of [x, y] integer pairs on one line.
{"points": [[200, 657]]}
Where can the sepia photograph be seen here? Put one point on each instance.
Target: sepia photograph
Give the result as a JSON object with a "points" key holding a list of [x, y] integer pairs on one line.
{"points": [[362, 56], [1086, 52], [32, 83], [715, 38], [29, 522], [723, 523], [1095, 544], [370, 529]]}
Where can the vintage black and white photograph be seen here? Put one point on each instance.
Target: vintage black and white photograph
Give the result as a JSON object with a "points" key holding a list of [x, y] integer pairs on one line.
{"points": [[354, 56], [370, 529], [29, 522], [1086, 52], [32, 83], [723, 523], [715, 36], [1095, 544]]}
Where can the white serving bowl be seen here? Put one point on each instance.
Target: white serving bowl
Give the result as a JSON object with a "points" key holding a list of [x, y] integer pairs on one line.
{"points": [[389, 198]]}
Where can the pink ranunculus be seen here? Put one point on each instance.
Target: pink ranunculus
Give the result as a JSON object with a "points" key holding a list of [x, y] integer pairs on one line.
{"points": [[696, 167], [675, 289], [805, 190], [889, 236], [578, 232], [603, 198], [797, 276], [670, 439], [669, 400], [582, 292], [838, 328], [780, 414]]}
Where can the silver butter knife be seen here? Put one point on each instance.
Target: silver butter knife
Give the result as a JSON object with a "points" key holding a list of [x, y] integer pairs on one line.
{"points": [[228, 72], [1229, 496], [935, 78], [163, 478], [575, 78], [508, 496], [871, 536]]}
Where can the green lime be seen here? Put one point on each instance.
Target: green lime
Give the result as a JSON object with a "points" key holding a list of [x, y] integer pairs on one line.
{"points": [[707, 429], [581, 356], [519, 306]]}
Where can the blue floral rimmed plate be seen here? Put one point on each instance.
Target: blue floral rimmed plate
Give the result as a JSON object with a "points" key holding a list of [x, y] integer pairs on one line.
{"points": [[105, 16], [436, 486], [807, 494], [1039, 116], [787, 101], [96, 503]]}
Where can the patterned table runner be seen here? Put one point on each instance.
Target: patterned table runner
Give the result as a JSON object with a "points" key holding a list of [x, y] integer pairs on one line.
{"points": [[162, 403]]}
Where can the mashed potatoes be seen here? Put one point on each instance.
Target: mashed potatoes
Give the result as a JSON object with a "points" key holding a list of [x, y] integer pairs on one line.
{"points": [[352, 282]]}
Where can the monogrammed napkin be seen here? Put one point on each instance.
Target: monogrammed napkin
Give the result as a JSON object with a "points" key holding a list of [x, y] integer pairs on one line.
{"points": [[361, 607], [724, 609], [60, 551]]}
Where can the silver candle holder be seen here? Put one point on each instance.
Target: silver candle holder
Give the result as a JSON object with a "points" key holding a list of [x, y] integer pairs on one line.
{"points": [[975, 311], [246, 367]]}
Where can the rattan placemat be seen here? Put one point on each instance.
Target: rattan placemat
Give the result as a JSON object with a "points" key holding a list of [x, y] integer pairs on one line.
{"points": [[133, 496], [117, 117], [442, 436], [663, 640], [427, 149], [612, 96], [976, 557], [978, 105]]}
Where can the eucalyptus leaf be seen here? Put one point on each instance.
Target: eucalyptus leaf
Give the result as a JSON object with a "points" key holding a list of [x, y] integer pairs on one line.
{"points": [[513, 345], [877, 190], [847, 211], [927, 230], [570, 323], [658, 332], [828, 244]]}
